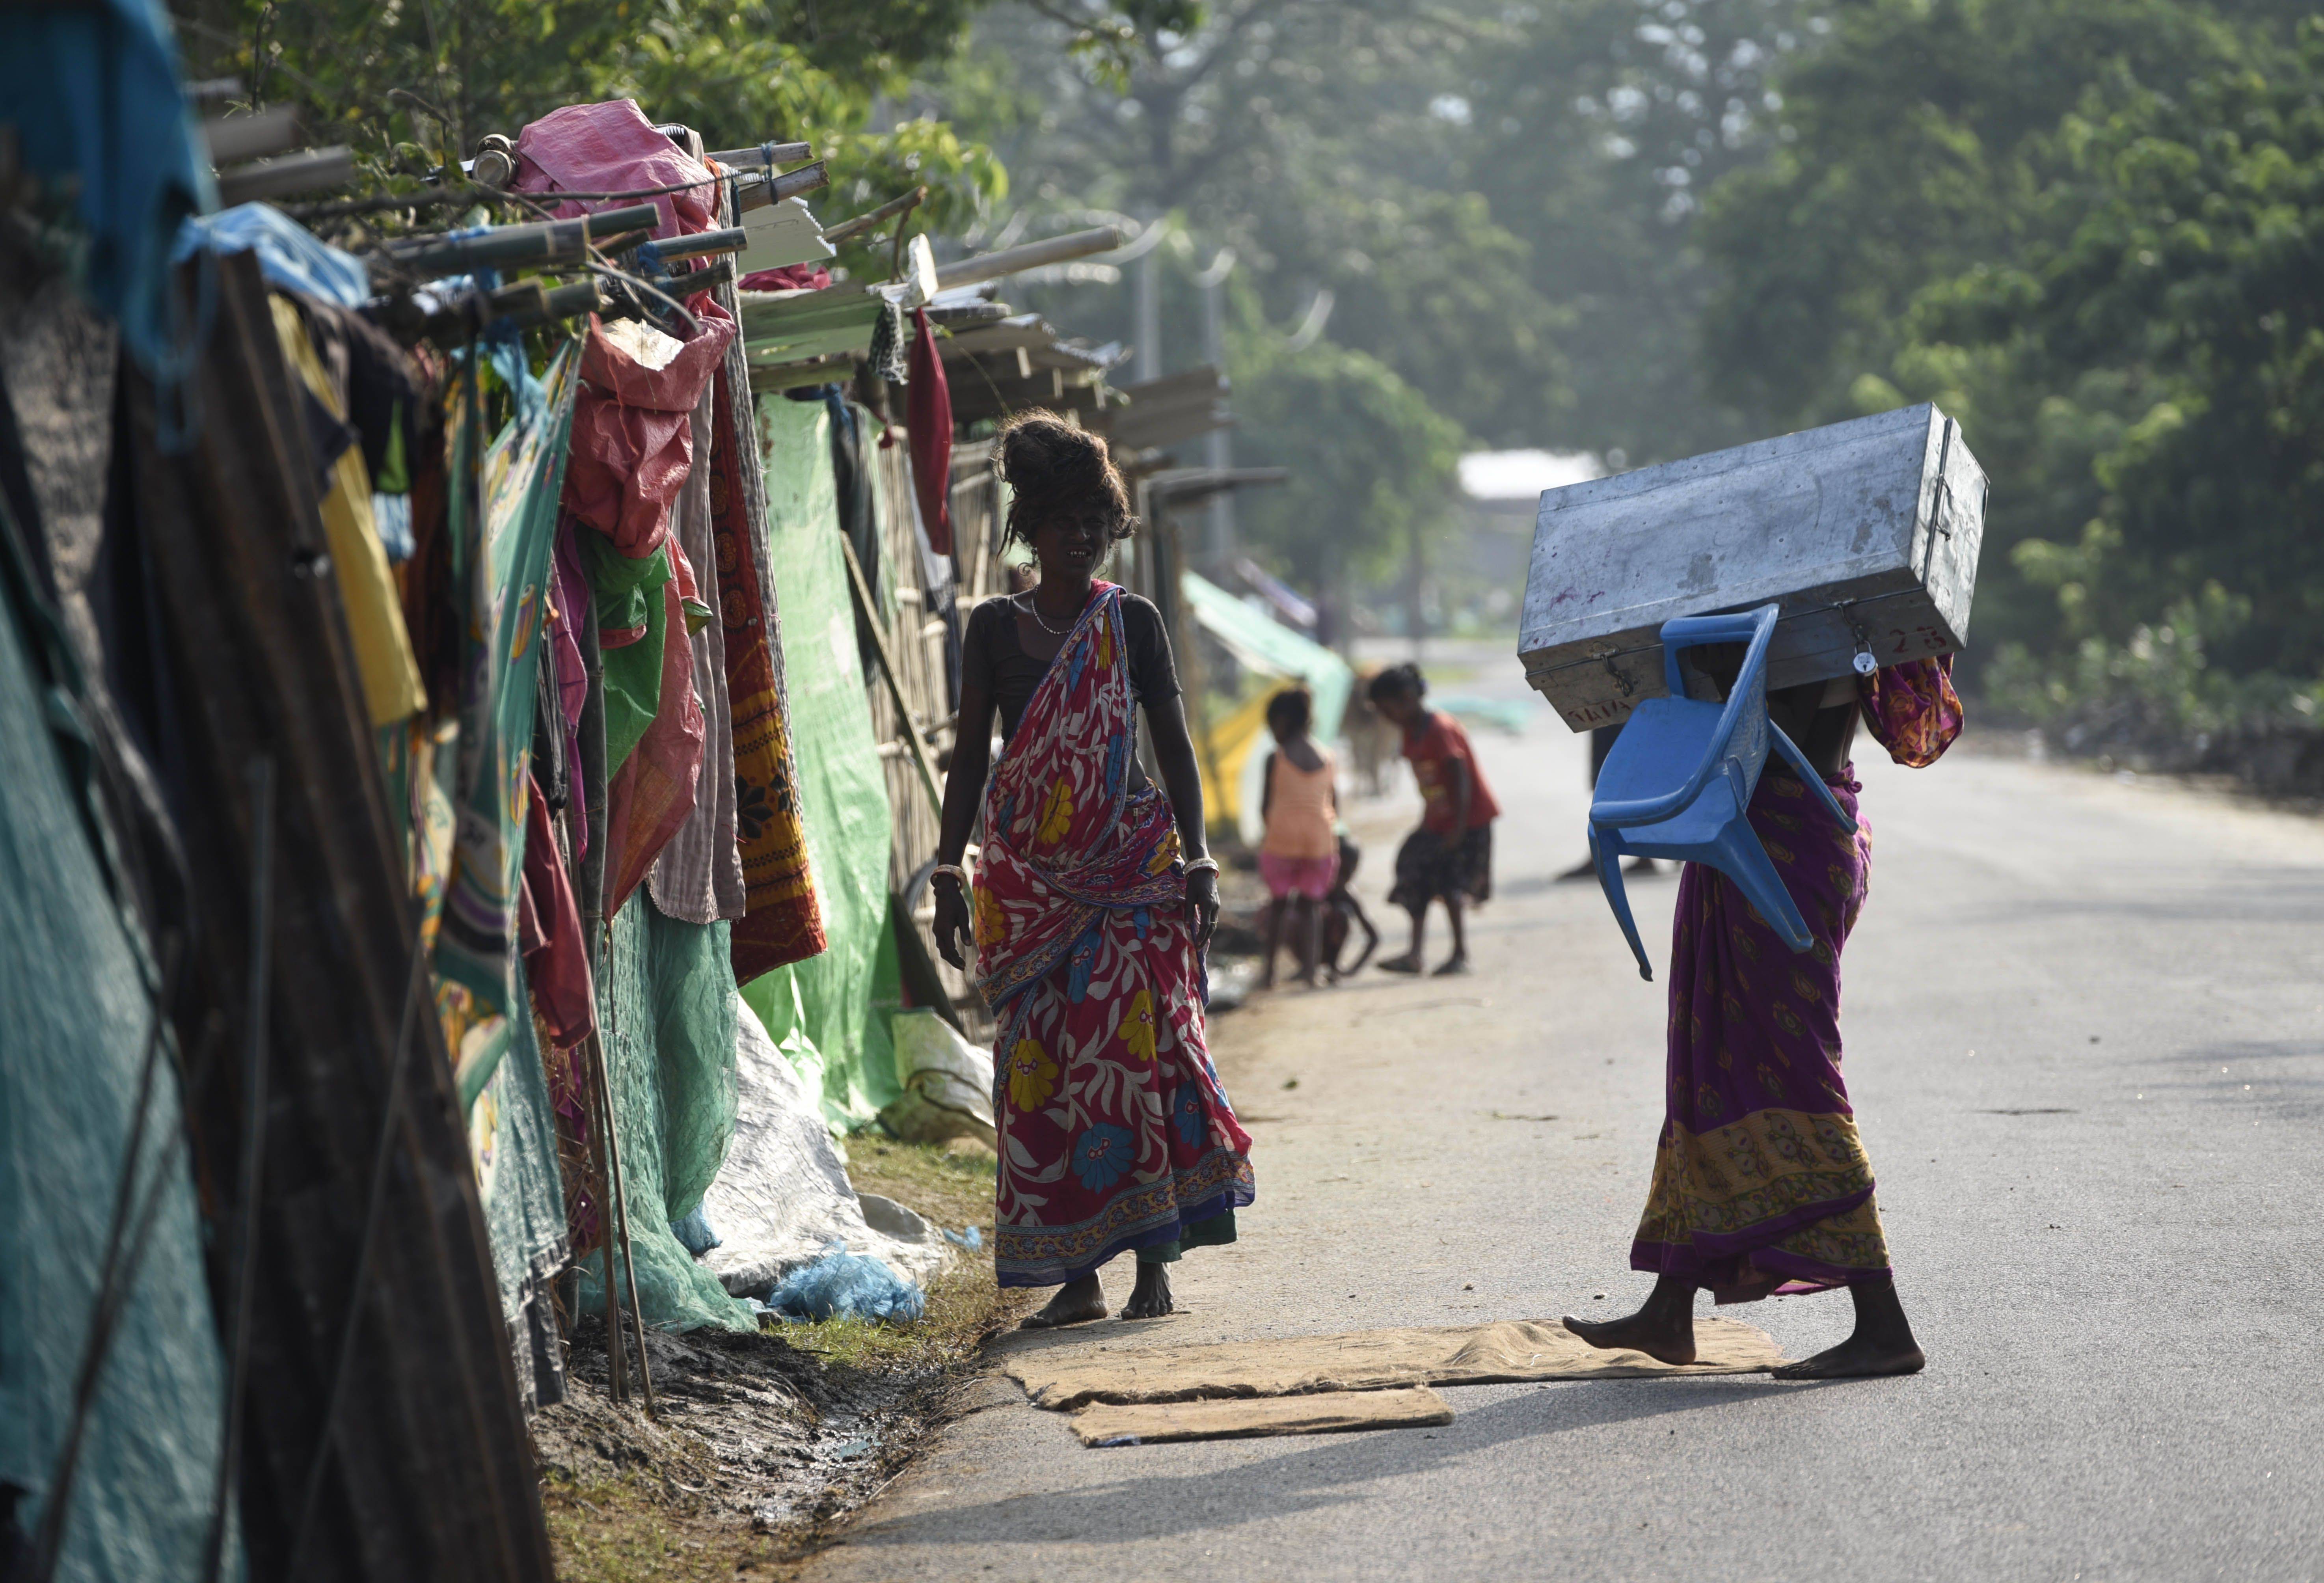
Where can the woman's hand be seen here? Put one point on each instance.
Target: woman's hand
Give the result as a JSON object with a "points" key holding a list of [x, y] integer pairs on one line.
{"points": [[953, 928], [1201, 906]]}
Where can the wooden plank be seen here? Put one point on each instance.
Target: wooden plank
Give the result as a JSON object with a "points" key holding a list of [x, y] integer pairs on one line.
{"points": [[991, 266]]}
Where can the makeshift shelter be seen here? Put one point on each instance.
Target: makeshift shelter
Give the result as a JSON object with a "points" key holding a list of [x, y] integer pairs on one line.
{"points": [[823, 1013], [475, 803]]}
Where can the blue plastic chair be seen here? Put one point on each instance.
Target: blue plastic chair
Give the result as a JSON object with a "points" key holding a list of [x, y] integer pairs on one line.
{"points": [[1683, 772]]}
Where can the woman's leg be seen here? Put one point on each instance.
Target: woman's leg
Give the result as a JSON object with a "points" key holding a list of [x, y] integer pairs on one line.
{"points": [[1662, 1328], [1151, 1298], [1883, 1343], [1311, 939]]}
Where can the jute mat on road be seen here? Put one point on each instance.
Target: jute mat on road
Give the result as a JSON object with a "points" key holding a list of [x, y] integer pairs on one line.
{"points": [[1066, 1369], [1236, 1418]]}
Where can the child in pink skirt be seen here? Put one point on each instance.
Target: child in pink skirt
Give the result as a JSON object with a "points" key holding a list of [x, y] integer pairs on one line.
{"points": [[1299, 856]]}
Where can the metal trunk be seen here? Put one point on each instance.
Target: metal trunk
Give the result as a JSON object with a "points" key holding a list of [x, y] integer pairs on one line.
{"points": [[1864, 532]]}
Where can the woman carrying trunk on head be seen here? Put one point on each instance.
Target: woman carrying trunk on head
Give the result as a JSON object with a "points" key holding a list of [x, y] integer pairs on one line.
{"points": [[1093, 903], [1761, 1186]]}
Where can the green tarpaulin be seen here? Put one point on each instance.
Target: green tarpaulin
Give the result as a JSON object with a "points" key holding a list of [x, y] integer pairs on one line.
{"points": [[512, 1133], [667, 1006], [829, 1014], [78, 1020], [1263, 644]]}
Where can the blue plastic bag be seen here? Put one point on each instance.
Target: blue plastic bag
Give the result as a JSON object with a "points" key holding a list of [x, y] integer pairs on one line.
{"points": [[845, 1285], [695, 1232]]}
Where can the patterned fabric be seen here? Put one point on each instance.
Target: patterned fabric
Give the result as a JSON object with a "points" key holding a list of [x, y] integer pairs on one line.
{"points": [[1761, 1184], [782, 923], [698, 878], [1115, 1133], [503, 567], [1912, 709]]}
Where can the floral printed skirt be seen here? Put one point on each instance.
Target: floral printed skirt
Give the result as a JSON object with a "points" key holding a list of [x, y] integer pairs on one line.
{"points": [[1115, 1134]]}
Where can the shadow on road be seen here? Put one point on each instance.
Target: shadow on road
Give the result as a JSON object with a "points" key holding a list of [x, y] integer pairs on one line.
{"points": [[1316, 1475]]}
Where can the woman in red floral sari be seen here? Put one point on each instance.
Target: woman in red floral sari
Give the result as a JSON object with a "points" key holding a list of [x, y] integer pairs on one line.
{"points": [[1092, 904]]}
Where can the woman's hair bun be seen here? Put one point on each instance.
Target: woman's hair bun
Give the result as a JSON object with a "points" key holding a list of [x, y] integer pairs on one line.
{"points": [[1055, 470]]}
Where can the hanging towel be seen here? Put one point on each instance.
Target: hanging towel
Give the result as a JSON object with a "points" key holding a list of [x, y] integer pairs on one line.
{"points": [[698, 876]]}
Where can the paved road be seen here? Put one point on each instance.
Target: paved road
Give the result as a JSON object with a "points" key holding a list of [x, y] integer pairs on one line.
{"points": [[2083, 1031]]}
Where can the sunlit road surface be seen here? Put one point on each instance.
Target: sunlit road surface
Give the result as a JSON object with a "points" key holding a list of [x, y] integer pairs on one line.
{"points": [[2082, 1018]]}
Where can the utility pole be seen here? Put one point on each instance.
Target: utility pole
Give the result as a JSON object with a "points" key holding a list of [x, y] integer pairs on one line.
{"points": [[1415, 617], [1218, 445], [1149, 335]]}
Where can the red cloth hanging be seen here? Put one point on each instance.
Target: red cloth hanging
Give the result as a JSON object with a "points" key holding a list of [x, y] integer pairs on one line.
{"points": [[549, 934], [633, 433], [927, 414]]}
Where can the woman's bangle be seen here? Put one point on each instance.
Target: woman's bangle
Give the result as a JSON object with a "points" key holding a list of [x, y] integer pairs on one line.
{"points": [[1203, 865], [952, 871]]}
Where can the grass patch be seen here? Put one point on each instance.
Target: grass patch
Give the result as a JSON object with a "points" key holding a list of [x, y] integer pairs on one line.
{"points": [[627, 1531]]}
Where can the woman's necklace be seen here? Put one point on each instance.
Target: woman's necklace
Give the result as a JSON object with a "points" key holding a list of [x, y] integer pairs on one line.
{"points": [[1033, 609]]}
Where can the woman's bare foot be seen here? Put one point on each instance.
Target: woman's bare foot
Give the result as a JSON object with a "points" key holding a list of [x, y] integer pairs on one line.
{"points": [[1406, 963], [1453, 968], [1882, 1345], [1855, 1359], [1077, 1304], [1151, 1298], [1662, 1328]]}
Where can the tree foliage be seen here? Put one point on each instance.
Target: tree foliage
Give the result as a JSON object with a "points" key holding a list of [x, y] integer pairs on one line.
{"points": [[2092, 230], [1371, 463], [412, 84]]}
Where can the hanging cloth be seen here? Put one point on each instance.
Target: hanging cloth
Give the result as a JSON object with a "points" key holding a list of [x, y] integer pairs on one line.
{"points": [[928, 417], [783, 920], [384, 656], [504, 562], [91, 93]]}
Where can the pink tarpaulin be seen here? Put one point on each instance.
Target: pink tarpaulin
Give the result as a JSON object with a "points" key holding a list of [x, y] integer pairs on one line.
{"points": [[612, 147]]}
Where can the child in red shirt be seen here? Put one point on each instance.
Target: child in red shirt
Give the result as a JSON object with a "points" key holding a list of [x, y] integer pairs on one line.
{"points": [[1449, 857]]}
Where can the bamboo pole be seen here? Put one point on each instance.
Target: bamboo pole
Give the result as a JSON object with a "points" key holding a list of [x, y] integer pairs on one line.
{"points": [[870, 615], [589, 888], [619, 1194]]}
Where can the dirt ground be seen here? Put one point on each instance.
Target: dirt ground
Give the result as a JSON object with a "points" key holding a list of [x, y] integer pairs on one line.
{"points": [[761, 1445]]}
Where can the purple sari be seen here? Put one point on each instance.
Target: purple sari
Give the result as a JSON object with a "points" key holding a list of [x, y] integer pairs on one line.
{"points": [[1760, 1182]]}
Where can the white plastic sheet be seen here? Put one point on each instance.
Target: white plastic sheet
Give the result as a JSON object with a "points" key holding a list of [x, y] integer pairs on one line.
{"points": [[782, 1196]]}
